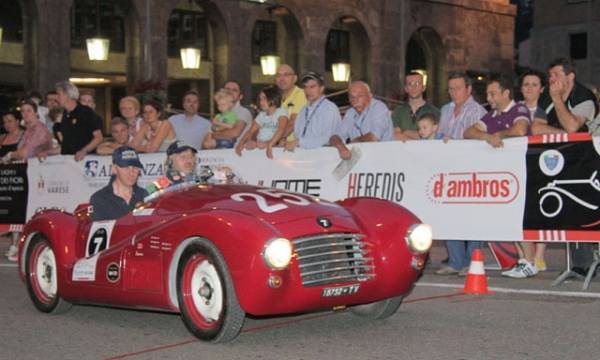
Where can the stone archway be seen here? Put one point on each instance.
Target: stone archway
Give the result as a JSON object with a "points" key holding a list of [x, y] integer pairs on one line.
{"points": [[348, 41], [425, 51], [276, 31]]}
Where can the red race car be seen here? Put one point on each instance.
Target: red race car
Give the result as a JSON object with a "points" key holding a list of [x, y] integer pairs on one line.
{"points": [[215, 253]]}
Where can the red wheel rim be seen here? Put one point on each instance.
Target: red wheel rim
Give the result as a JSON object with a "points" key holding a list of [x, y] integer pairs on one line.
{"points": [[202, 292]]}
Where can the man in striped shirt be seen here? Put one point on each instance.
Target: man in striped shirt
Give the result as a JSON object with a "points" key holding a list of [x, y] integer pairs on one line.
{"points": [[458, 115]]}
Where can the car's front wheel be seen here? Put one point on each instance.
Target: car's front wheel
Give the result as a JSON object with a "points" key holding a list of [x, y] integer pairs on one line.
{"points": [[207, 299], [378, 310], [42, 277]]}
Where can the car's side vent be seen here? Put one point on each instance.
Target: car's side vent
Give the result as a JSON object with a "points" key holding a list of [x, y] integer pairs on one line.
{"points": [[333, 258]]}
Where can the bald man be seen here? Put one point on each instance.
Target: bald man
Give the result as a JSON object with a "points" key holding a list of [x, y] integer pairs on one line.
{"points": [[293, 97], [368, 120]]}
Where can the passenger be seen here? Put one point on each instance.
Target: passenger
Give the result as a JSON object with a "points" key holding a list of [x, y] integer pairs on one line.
{"points": [[180, 167], [122, 193]]}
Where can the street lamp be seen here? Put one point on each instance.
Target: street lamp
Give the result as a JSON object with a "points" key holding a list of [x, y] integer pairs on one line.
{"points": [[269, 64], [341, 72], [97, 47], [190, 58]]}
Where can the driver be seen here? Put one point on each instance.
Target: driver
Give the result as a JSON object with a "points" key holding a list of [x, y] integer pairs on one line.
{"points": [[121, 194], [180, 167]]}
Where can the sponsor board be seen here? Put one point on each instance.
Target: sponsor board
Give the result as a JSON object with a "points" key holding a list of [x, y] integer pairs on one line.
{"points": [[463, 189]]}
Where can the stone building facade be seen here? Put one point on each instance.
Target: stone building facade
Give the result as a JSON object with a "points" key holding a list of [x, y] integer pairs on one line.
{"points": [[567, 28], [387, 38]]}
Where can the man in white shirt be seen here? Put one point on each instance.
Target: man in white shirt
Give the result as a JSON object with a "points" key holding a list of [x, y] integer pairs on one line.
{"points": [[190, 127]]}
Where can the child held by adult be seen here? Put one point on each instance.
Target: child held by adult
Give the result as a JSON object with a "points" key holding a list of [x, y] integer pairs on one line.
{"points": [[225, 120]]}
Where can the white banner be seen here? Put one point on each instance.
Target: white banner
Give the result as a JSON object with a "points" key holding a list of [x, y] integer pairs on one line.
{"points": [[464, 189]]}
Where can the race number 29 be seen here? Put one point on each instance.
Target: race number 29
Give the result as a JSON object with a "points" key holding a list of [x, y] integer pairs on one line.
{"points": [[264, 206]]}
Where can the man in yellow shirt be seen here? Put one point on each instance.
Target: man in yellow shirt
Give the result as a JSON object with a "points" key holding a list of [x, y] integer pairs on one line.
{"points": [[293, 97]]}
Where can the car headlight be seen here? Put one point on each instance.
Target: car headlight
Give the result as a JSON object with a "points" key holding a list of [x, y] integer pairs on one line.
{"points": [[419, 238], [278, 253]]}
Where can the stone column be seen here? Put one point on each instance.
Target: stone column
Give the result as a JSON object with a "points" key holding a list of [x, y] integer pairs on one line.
{"points": [[46, 43], [148, 59]]}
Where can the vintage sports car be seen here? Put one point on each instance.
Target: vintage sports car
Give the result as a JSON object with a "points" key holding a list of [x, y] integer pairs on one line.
{"points": [[216, 252]]}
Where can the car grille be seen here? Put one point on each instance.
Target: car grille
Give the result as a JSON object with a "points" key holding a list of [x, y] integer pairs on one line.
{"points": [[330, 258]]}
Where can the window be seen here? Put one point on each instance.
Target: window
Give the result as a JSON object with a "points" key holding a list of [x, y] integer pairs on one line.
{"points": [[84, 23], [10, 21], [578, 46], [264, 40], [337, 48], [187, 28]]}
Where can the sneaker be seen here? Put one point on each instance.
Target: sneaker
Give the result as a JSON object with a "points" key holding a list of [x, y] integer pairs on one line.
{"points": [[522, 270], [540, 264], [12, 251], [464, 271], [12, 258], [447, 270]]}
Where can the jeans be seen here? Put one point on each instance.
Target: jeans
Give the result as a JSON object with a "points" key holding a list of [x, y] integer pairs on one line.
{"points": [[459, 252]]}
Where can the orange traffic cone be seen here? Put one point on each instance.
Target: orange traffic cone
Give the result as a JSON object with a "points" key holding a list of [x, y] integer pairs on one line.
{"points": [[476, 282]]}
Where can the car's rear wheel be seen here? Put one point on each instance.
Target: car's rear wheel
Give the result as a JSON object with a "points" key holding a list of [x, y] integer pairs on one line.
{"points": [[207, 300], [42, 277], [378, 310]]}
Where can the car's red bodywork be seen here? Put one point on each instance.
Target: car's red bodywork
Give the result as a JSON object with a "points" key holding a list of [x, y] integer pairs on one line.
{"points": [[139, 267]]}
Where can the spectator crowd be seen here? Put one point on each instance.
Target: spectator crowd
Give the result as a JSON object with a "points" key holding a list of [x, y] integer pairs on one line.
{"points": [[296, 113]]}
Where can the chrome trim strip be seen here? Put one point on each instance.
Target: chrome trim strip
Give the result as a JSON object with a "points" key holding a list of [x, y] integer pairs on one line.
{"points": [[360, 267], [317, 263]]}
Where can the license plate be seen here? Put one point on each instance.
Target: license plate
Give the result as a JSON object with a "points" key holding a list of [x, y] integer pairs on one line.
{"points": [[341, 290]]}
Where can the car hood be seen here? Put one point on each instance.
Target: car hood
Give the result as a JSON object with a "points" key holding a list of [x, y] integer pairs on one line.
{"points": [[274, 206]]}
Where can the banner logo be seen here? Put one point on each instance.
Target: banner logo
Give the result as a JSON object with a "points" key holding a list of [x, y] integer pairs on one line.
{"points": [[551, 202], [492, 187], [304, 186], [551, 162], [383, 185]]}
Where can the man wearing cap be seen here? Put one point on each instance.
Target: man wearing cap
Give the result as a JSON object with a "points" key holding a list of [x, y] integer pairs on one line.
{"points": [[180, 167], [121, 194], [368, 120], [318, 119]]}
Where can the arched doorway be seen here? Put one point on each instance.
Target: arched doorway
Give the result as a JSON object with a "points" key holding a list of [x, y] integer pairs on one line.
{"points": [[12, 70], [347, 42], [199, 24], [276, 32], [425, 53]]}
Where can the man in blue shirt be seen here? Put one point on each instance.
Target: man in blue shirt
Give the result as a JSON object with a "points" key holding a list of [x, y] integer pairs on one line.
{"points": [[318, 119], [368, 120], [122, 194]]}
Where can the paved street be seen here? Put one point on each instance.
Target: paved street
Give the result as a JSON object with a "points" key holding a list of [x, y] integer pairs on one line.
{"points": [[519, 321]]}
